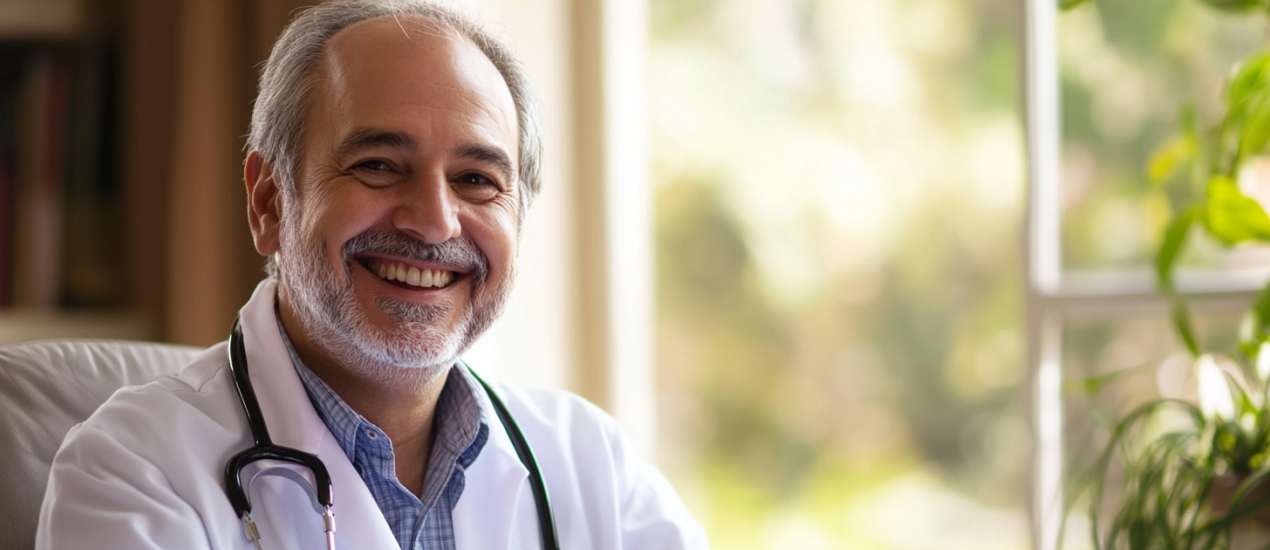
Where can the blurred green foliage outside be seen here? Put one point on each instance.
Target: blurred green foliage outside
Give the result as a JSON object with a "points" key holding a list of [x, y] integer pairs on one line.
{"points": [[1130, 69], [839, 223]]}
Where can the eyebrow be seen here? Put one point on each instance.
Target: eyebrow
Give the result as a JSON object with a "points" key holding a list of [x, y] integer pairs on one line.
{"points": [[368, 139], [490, 155]]}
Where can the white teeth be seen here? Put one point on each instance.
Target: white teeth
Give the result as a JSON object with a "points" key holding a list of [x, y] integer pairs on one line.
{"points": [[411, 275]]}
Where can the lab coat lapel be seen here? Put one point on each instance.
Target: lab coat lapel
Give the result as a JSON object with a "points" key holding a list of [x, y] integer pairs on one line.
{"points": [[496, 509], [294, 423]]}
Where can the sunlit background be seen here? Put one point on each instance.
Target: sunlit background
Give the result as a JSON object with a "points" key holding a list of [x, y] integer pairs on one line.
{"points": [[838, 212], [784, 241]]}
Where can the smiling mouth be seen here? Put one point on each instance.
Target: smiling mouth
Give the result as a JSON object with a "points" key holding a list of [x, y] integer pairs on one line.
{"points": [[410, 275]]}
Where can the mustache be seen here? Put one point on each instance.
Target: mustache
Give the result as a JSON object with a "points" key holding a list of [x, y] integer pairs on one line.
{"points": [[460, 252]]}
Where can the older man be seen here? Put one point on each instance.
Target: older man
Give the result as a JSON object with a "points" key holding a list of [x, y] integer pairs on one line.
{"points": [[394, 151]]}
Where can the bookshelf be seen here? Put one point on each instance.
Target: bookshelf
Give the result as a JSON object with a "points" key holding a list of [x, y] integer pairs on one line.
{"points": [[121, 135], [61, 212]]}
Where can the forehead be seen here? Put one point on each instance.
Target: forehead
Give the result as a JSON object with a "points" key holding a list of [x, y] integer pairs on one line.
{"points": [[392, 73]]}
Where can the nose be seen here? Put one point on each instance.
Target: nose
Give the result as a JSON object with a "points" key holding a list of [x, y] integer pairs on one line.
{"points": [[428, 210]]}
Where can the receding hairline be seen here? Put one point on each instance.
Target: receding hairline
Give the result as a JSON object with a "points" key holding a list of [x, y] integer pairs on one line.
{"points": [[427, 25], [403, 22]]}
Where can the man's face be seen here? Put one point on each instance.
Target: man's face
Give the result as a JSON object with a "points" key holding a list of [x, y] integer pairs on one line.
{"points": [[399, 248]]}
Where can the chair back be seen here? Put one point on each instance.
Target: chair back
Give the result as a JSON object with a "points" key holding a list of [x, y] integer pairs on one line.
{"points": [[45, 389]]}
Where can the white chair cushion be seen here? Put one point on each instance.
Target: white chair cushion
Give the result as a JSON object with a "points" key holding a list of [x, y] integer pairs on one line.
{"points": [[45, 389]]}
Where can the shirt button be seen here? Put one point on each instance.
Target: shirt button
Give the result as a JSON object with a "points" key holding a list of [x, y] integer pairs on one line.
{"points": [[371, 434]]}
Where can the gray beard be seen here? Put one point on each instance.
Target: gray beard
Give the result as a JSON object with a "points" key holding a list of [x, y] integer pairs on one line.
{"points": [[413, 347]]}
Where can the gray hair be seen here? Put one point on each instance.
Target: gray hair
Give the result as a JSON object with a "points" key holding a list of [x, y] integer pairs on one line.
{"points": [[278, 119]]}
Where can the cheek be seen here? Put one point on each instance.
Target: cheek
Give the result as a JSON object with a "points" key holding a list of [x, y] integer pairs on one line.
{"points": [[346, 215], [498, 238]]}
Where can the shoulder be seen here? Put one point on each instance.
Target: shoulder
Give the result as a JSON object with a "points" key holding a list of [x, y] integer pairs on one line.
{"points": [[564, 420], [593, 473], [153, 450], [552, 407], [172, 422], [195, 395]]}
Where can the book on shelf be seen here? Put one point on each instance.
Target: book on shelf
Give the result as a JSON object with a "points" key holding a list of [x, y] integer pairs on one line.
{"points": [[60, 222], [37, 207]]}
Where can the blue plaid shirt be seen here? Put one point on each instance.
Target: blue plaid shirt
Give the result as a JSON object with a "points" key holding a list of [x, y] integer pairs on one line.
{"points": [[461, 430]]}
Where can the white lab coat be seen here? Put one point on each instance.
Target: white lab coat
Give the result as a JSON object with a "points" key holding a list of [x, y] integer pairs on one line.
{"points": [[146, 470]]}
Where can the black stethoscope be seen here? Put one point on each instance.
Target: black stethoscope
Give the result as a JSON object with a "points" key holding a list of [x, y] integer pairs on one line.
{"points": [[323, 501]]}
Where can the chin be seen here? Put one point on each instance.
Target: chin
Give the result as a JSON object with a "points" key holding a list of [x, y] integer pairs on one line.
{"points": [[409, 346]]}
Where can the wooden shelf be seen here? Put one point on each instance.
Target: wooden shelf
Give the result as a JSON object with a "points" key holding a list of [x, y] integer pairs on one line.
{"points": [[41, 19], [18, 325]]}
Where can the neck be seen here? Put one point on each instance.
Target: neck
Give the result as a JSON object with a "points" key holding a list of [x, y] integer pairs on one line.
{"points": [[403, 405]]}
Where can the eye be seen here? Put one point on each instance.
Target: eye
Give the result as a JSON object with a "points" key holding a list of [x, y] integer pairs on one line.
{"points": [[374, 165], [475, 186], [376, 172]]}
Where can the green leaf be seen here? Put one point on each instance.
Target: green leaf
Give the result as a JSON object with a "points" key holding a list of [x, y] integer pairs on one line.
{"points": [[1261, 308], [1257, 324], [1232, 217], [1069, 4], [1248, 79], [1171, 248], [1182, 322], [1235, 5], [1094, 384], [1256, 126], [1245, 125], [1165, 160], [1165, 260]]}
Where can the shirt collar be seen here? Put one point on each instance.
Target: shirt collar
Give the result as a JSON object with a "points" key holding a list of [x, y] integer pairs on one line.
{"points": [[462, 399]]}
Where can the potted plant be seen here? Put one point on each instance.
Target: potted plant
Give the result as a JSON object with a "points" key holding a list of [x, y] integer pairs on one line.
{"points": [[1203, 483]]}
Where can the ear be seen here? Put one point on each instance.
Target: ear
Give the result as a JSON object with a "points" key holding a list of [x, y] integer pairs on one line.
{"points": [[264, 203]]}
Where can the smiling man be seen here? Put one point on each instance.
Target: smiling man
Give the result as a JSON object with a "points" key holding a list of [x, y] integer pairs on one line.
{"points": [[394, 150]]}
